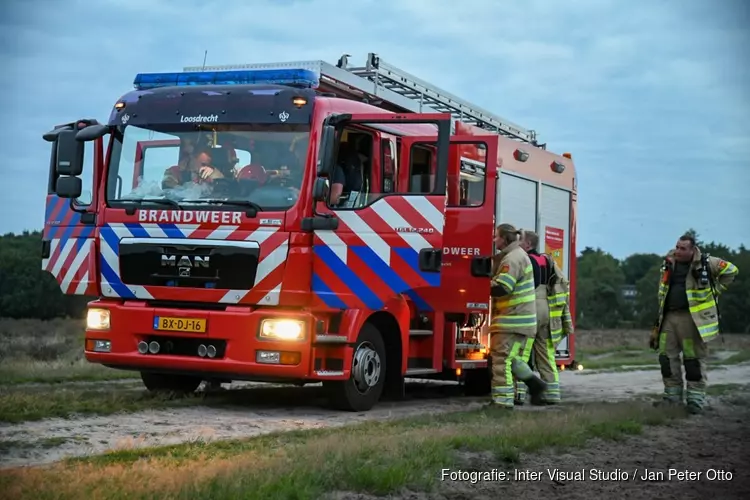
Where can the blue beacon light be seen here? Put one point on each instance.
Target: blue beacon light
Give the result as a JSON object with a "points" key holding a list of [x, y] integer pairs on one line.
{"points": [[293, 77]]}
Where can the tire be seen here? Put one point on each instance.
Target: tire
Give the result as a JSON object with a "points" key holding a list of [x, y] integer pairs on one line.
{"points": [[161, 382], [365, 385]]}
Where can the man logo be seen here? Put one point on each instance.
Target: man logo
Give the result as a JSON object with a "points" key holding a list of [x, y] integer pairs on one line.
{"points": [[184, 261]]}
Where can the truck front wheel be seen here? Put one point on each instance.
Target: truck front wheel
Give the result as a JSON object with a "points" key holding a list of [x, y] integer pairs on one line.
{"points": [[365, 385], [162, 382]]}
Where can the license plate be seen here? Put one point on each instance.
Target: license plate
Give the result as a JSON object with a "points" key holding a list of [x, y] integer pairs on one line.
{"points": [[190, 325]]}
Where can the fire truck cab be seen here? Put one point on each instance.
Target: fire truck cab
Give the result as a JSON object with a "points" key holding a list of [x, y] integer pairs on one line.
{"points": [[297, 222]]}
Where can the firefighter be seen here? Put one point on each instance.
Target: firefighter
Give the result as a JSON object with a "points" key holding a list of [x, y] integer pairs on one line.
{"points": [[513, 321], [553, 318], [688, 319]]}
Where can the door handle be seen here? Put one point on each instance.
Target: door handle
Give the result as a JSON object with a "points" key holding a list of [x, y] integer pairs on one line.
{"points": [[481, 267], [430, 260]]}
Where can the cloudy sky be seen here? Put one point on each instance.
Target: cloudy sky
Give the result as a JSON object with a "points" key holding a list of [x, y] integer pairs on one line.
{"points": [[651, 97]]}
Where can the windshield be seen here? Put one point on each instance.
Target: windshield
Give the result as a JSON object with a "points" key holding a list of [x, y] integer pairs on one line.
{"points": [[258, 165]]}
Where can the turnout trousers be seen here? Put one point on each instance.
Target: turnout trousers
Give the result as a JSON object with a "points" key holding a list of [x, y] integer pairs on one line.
{"points": [[510, 353], [544, 353], [679, 337]]}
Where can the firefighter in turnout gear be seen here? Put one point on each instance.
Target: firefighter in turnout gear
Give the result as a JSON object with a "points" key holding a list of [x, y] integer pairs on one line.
{"points": [[513, 319], [553, 318], [690, 285]]}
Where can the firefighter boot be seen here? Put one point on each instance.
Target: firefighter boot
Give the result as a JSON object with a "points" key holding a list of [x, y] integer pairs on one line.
{"points": [[537, 388], [535, 384]]}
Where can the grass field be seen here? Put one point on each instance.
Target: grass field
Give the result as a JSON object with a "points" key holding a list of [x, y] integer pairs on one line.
{"points": [[48, 352], [628, 349], [378, 457]]}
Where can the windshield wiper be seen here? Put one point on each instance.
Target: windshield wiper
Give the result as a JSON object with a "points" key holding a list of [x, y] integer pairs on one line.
{"points": [[156, 201], [241, 203], [253, 208]]}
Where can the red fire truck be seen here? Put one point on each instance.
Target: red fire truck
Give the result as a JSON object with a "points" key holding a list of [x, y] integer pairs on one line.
{"points": [[296, 222]]}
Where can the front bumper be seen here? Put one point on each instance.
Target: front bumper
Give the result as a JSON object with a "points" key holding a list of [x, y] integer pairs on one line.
{"points": [[233, 332]]}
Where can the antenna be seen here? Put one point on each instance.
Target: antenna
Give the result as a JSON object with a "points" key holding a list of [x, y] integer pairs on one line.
{"points": [[205, 55]]}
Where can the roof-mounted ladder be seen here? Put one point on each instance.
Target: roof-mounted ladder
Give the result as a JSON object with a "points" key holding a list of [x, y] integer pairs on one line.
{"points": [[386, 86]]}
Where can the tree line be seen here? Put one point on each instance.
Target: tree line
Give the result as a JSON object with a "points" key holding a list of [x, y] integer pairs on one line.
{"points": [[610, 293]]}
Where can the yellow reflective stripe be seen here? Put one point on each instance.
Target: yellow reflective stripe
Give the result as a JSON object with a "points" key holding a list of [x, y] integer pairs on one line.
{"points": [[525, 320], [730, 269], [699, 295], [688, 348], [557, 299], [709, 329], [505, 280], [702, 307], [524, 286], [663, 343], [520, 300]]}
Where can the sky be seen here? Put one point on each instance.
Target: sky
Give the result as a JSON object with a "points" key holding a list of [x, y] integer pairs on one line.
{"points": [[652, 98]]}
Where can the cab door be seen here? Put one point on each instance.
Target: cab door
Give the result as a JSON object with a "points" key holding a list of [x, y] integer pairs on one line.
{"points": [[469, 224], [68, 238], [390, 244]]}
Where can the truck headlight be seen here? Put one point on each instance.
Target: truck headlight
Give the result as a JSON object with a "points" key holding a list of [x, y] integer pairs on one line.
{"points": [[282, 329], [97, 319]]}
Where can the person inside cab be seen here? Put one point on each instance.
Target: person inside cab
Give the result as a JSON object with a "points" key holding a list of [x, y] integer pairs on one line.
{"points": [[195, 165], [347, 178], [291, 164]]}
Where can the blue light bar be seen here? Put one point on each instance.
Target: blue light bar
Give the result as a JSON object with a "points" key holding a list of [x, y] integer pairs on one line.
{"points": [[292, 77]]}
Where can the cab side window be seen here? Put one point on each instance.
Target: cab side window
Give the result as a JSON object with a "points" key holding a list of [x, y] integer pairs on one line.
{"points": [[471, 182], [389, 165], [422, 170], [87, 177], [352, 184]]}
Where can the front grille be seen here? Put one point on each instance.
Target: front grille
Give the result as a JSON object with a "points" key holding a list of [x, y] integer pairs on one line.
{"points": [[189, 265]]}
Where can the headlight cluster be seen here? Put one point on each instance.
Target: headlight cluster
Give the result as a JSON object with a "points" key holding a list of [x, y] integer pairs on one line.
{"points": [[282, 329]]}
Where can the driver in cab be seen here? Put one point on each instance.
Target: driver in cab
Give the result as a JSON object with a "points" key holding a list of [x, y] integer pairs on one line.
{"points": [[195, 165]]}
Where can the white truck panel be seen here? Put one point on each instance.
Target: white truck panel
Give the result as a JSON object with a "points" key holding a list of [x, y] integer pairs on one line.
{"points": [[555, 223], [548, 215], [516, 201]]}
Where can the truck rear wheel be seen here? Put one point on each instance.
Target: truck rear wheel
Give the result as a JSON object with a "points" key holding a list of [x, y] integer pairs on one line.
{"points": [[365, 385], [162, 382], [478, 381]]}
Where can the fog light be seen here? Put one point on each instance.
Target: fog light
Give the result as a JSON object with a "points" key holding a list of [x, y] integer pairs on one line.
{"points": [[278, 357], [97, 319], [98, 345], [268, 357], [282, 329]]}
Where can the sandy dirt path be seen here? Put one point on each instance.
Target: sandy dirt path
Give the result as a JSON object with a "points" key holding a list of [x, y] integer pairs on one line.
{"points": [[262, 409]]}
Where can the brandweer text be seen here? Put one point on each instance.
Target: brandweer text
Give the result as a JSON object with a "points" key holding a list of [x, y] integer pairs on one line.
{"points": [[188, 216]]}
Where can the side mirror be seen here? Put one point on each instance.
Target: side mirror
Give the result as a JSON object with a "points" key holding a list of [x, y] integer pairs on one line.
{"points": [[68, 187], [327, 144], [320, 189], [69, 154], [92, 133]]}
